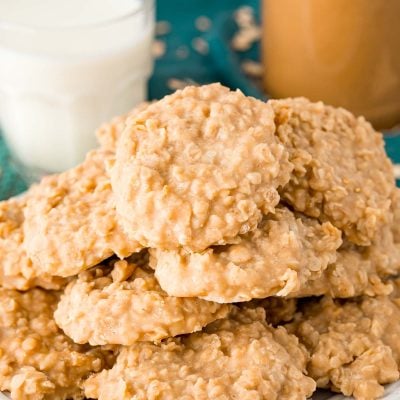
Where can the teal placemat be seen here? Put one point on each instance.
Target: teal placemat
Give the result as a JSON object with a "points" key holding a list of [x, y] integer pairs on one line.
{"points": [[195, 45], [11, 183]]}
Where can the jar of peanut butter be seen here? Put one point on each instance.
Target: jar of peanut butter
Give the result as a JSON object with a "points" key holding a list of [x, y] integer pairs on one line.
{"points": [[344, 52]]}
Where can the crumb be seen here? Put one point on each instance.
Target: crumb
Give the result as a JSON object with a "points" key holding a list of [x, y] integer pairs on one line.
{"points": [[162, 28], [245, 38], [200, 45], [203, 23], [179, 84], [158, 48], [123, 304], [244, 16], [252, 68], [182, 52]]}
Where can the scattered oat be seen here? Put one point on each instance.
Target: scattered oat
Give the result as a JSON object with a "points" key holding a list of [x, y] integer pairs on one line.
{"points": [[179, 84], [249, 31], [252, 68], [202, 23], [244, 16], [182, 52], [163, 28], [158, 48], [246, 37], [200, 45]]}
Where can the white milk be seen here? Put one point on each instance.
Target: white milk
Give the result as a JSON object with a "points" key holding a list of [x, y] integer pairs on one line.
{"points": [[79, 64]]}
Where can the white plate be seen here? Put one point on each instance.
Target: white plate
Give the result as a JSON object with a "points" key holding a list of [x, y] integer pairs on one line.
{"points": [[392, 392]]}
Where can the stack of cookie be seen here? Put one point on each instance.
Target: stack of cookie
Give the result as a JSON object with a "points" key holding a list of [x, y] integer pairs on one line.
{"points": [[170, 263]]}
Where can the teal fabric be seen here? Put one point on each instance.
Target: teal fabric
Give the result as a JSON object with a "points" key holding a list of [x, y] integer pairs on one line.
{"points": [[181, 61], [11, 183]]}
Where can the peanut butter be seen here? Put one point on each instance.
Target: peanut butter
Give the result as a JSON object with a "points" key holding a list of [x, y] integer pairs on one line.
{"points": [[346, 53]]}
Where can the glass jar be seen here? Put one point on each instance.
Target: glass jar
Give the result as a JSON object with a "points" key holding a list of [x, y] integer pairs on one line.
{"points": [[66, 67], [344, 52]]}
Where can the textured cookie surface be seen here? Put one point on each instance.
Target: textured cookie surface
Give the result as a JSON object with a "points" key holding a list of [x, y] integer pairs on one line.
{"points": [[354, 344], [283, 253], [123, 304], [109, 133], [240, 357], [342, 173], [362, 270], [71, 222], [16, 271], [197, 168], [350, 275], [37, 361]]}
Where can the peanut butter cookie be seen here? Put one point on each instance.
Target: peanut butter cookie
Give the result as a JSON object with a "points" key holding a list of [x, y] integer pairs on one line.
{"points": [[240, 357], [362, 270], [123, 303], [16, 270], [197, 168], [353, 343], [70, 220], [37, 361], [276, 259], [341, 171]]}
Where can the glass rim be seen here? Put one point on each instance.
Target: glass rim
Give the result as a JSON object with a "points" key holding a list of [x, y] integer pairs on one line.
{"points": [[31, 28]]}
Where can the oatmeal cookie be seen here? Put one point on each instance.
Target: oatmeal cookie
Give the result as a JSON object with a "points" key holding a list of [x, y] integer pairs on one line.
{"points": [[70, 220], [354, 343], [197, 168], [16, 271], [362, 270], [341, 171], [352, 274], [109, 133], [240, 357], [37, 361], [276, 259], [123, 304]]}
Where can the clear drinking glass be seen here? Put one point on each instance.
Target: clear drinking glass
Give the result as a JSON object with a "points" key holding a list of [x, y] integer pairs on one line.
{"points": [[66, 67]]}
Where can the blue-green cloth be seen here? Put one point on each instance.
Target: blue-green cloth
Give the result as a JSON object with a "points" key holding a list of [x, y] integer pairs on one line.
{"points": [[181, 61]]}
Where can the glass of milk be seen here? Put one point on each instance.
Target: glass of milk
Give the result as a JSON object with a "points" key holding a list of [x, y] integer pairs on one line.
{"points": [[66, 67]]}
